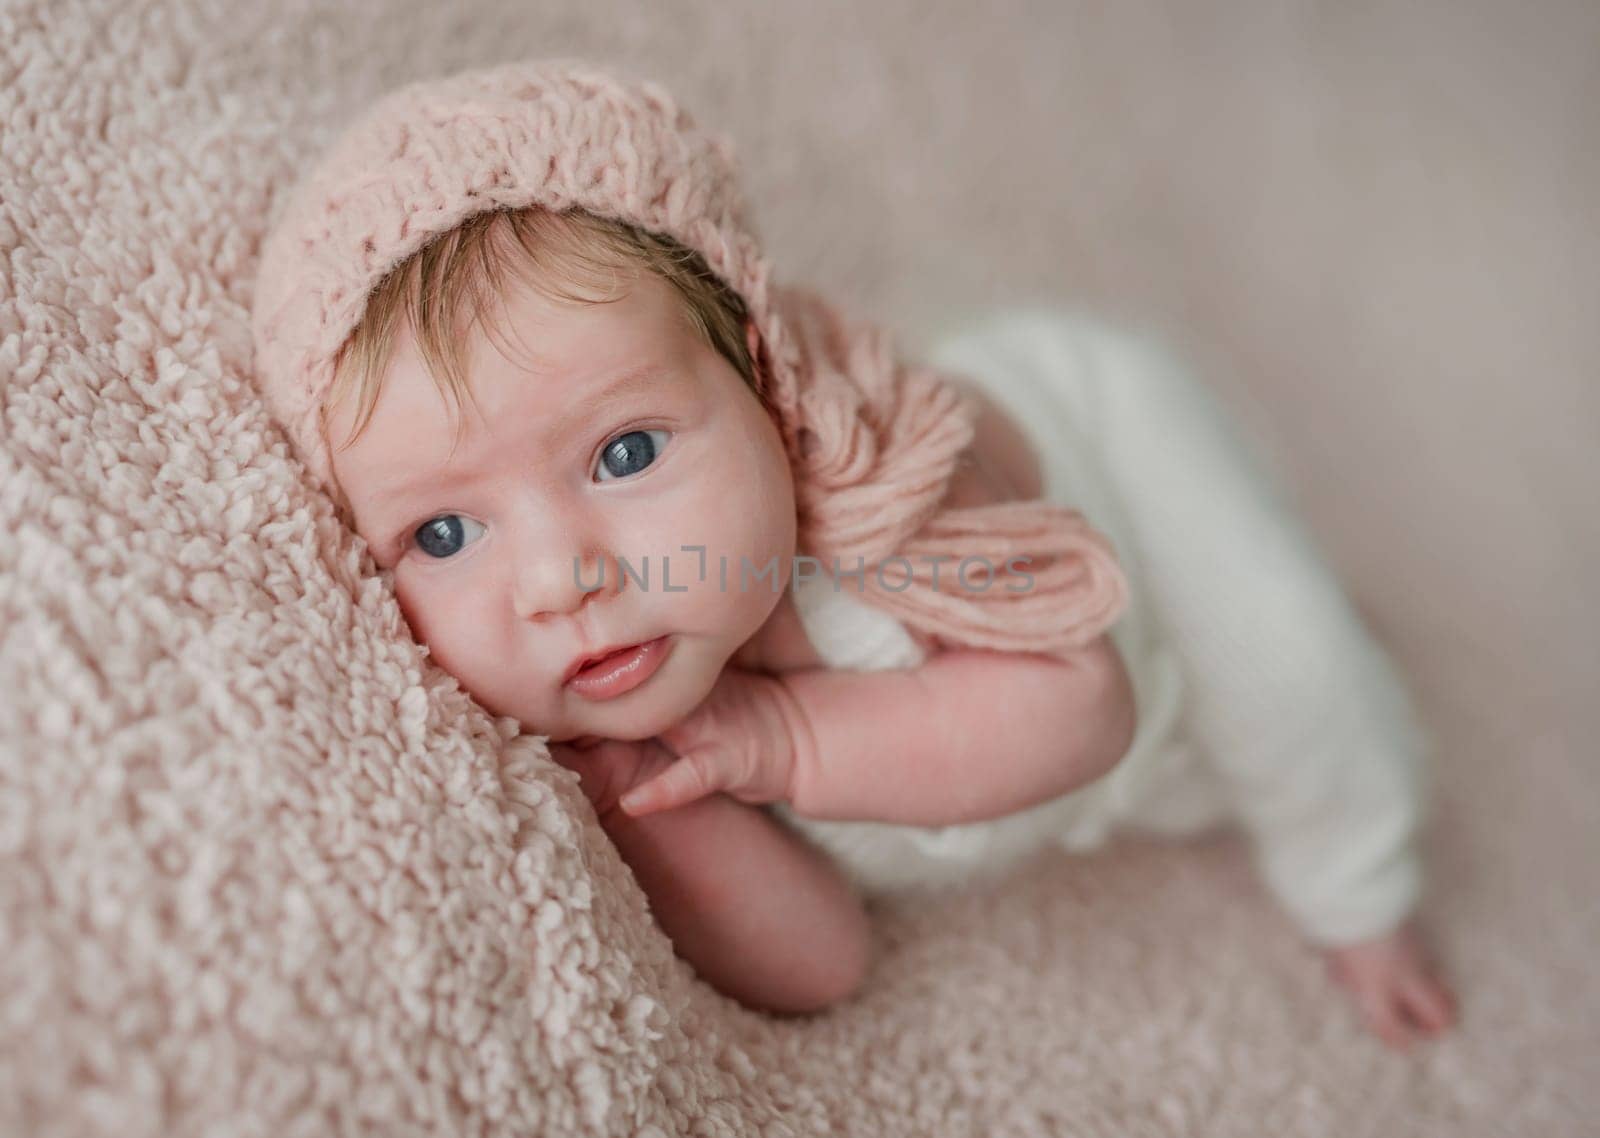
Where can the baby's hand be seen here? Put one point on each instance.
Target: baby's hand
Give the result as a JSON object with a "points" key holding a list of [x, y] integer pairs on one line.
{"points": [[608, 768], [740, 740], [1394, 986]]}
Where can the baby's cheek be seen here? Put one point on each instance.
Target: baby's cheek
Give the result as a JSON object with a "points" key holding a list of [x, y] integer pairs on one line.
{"points": [[466, 638], [411, 610], [746, 547], [432, 622], [757, 511]]}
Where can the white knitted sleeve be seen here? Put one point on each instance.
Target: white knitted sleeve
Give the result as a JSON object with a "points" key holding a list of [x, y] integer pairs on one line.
{"points": [[1297, 704]]}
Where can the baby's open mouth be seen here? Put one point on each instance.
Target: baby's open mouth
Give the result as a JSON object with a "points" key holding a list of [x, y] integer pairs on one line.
{"points": [[599, 661], [618, 671]]}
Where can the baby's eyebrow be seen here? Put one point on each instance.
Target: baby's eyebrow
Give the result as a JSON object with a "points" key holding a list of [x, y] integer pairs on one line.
{"points": [[630, 383], [391, 495]]}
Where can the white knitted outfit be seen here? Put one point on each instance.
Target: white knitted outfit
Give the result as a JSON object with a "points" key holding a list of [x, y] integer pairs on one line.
{"points": [[1261, 696]]}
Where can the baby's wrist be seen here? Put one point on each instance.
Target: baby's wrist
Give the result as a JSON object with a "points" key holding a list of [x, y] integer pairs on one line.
{"points": [[797, 741]]}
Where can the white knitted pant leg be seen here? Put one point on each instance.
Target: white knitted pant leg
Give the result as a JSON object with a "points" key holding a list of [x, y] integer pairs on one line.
{"points": [[1289, 696]]}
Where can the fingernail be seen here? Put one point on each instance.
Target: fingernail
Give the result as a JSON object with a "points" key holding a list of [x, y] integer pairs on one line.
{"points": [[632, 802]]}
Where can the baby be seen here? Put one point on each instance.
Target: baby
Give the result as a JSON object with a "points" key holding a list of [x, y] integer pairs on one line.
{"points": [[610, 544]]}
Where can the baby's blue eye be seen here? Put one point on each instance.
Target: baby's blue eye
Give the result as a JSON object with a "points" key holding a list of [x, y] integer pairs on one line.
{"points": [[444, 536], [628, 454]]}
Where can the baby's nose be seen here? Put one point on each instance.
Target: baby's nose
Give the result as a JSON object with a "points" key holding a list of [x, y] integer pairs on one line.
{"points": [[560, 586]]}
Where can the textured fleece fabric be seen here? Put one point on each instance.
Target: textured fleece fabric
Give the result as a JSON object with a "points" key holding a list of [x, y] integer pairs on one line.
{"points": [[264, 873]]}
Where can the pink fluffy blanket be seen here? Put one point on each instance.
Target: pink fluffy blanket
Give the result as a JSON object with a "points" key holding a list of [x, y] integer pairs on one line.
{"points": [[264, 871]]}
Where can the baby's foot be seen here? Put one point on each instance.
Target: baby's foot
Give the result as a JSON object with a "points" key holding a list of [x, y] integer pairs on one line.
{"points": [[1395, 986]]}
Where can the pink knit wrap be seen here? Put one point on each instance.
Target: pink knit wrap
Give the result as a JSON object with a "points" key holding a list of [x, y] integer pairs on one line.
{"points": [[872, 441]]}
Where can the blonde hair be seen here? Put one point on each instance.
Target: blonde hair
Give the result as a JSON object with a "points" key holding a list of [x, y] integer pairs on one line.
{"points": [[572, 256]]}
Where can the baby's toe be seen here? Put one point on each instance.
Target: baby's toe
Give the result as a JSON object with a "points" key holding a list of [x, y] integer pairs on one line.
{"points": [[1429, 1004], [1380, 1008]]}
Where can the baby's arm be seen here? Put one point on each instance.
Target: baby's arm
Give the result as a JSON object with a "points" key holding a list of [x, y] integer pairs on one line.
{"points": [[967, 735], [761, 915]]}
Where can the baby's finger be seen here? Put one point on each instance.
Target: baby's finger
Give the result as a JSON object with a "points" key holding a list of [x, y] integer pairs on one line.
{"points": [[686, 780]]}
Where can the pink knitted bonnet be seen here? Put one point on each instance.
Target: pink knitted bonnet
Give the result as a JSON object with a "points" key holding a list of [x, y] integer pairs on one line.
{"points": [[872, 442]]}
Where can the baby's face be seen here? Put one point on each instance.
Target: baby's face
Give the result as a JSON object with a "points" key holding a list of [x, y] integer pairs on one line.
{"points": [[609, 431]]}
